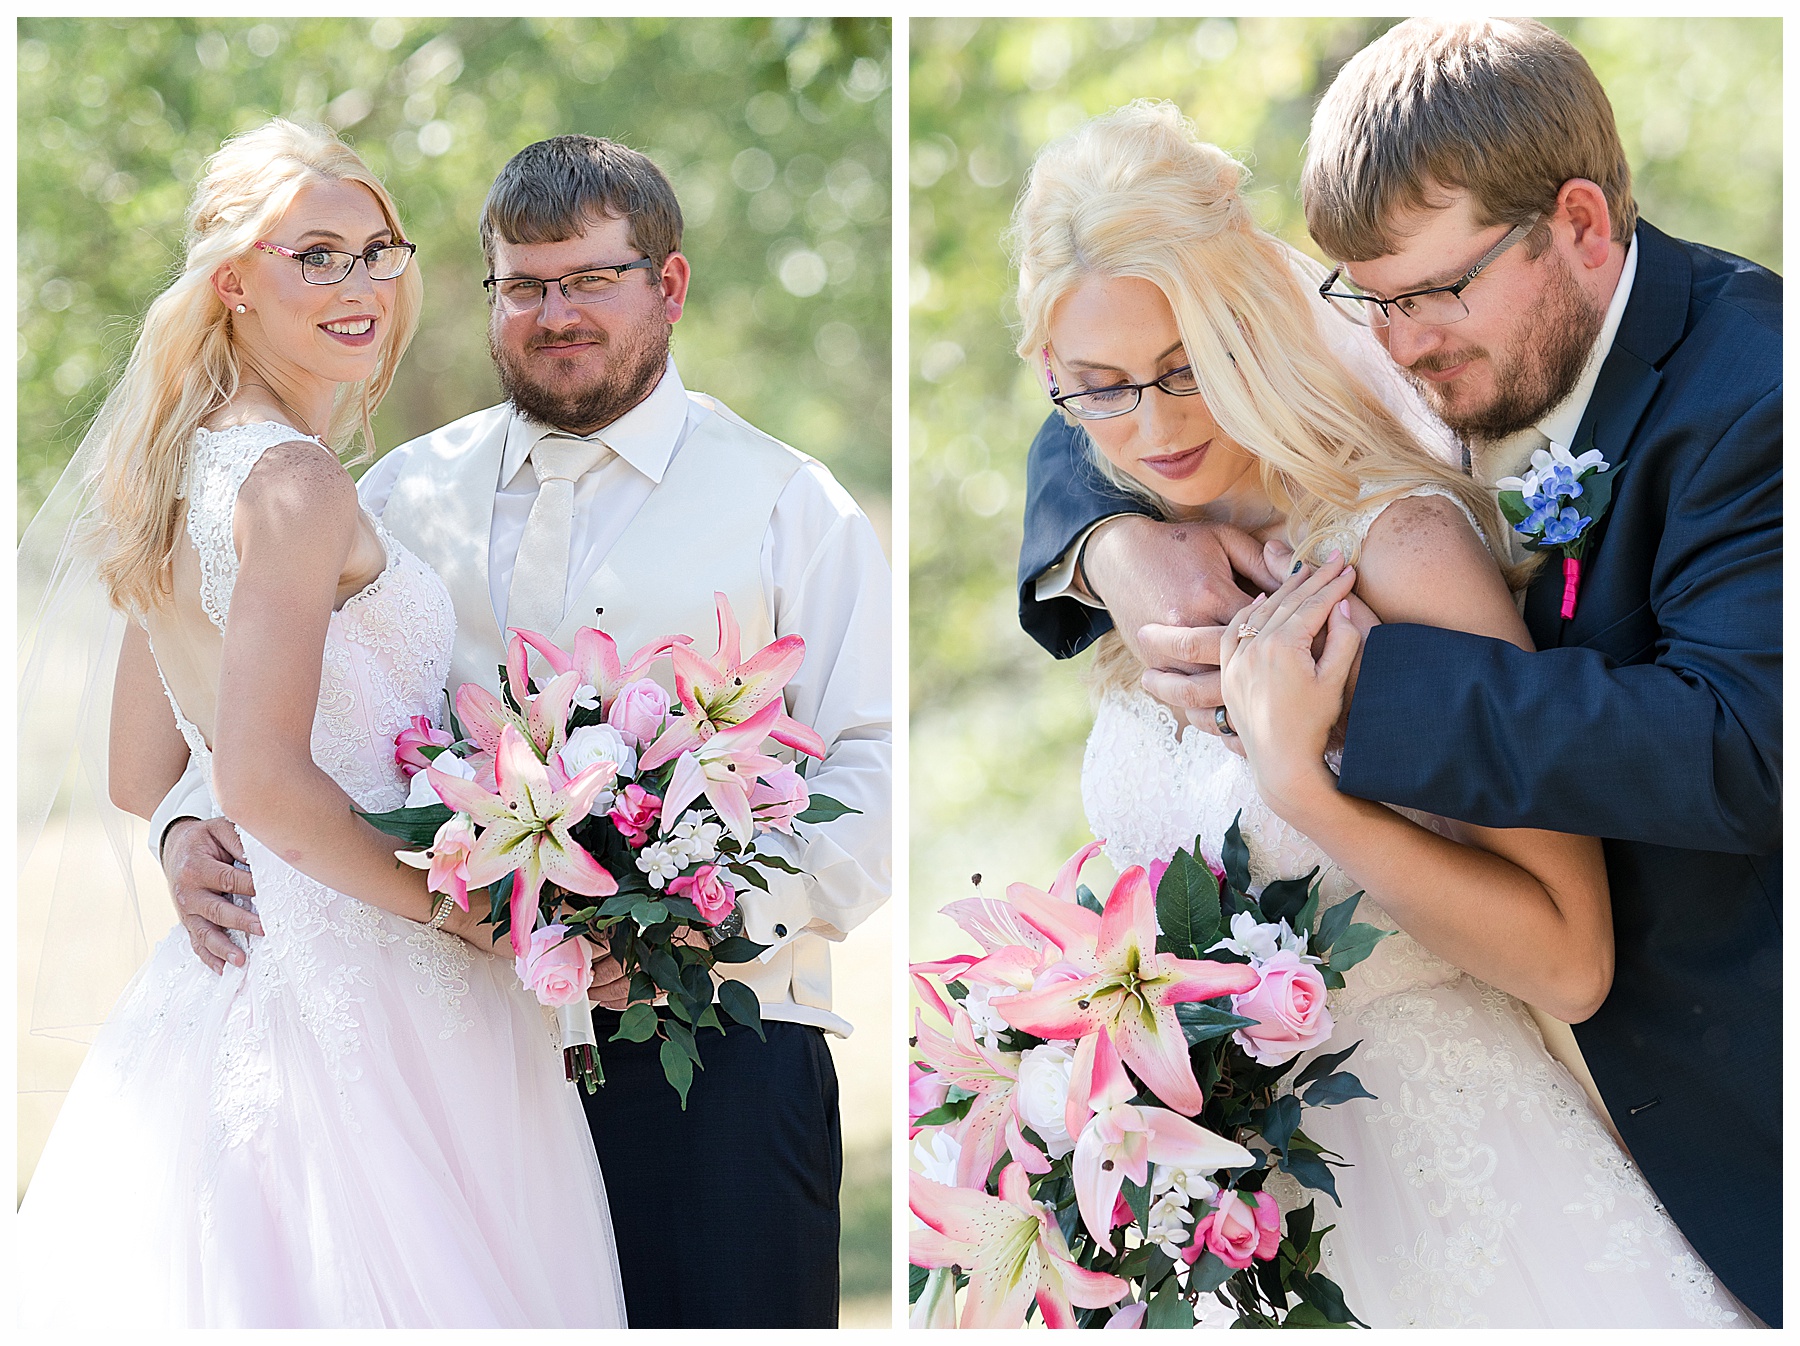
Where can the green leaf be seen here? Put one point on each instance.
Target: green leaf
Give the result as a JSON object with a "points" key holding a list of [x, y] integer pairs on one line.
{"points": [[1333, 922], [1513, 506], [739, 1001], [1187, 902], [1278, 1122], [1282, 899], [1299, 1227], [500, 902], [915, 1283], [1323, 1293], [1202, 1022], [1235, 856], [1169, 1309], [1354, 945], [636, 1024], [620, 904], [1321, 1066], [1158, 1266], [1334, 981], [1309, 914], [1310, 1170], [662, 967], [1085, 896], [417, 827], [647, 914], [698, 986], [678, 1070], [1338, 1088], [682, 1038], [1305, 1315], [1208, 1274], [737, 949], [944, 1113], [1138, 1198], [710, 1019], [680, 906], [773, 861], [823, 809]]}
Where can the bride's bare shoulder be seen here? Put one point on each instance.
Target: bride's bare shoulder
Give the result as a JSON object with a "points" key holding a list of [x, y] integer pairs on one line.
{"points": [[1423, 562], [298, 483]]}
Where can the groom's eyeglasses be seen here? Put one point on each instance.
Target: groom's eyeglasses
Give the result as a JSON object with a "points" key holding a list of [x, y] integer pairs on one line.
{"points": [[592, 285], [1118, 399], [326, 266], [1436, 306]]}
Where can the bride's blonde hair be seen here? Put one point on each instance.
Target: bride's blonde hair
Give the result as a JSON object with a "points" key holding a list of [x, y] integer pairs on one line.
{"points": [[1137, 193], [184, 364]]}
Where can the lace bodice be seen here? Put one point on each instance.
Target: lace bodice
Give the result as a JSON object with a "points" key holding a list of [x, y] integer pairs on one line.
{"points": [[387, 651]]}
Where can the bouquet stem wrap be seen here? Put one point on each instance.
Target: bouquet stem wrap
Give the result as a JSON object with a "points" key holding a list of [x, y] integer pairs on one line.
{"points": [[575, 1028]]}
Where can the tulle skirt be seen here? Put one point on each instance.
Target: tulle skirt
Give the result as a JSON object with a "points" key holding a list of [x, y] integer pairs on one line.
{"points": [[368, 1128]]}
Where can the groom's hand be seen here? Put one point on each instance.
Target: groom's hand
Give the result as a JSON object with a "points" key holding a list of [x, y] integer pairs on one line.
{"points": [[611, 988], [1147, 572], [199, 859]]}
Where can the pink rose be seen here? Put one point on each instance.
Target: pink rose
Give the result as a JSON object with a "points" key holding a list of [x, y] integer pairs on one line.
{"points": [[1289, 1007], [1121, 1214], [639, 710], [709, 890], [421, 733], [634, 812], [1242, 1226], [925, 1090], [556, 969], [778, 798]]}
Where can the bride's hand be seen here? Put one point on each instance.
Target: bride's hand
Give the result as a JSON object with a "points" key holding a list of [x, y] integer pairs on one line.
{"points": [[1280, 699]]}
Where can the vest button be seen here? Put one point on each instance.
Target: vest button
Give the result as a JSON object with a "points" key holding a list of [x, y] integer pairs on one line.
{"points": [[781, 932]]}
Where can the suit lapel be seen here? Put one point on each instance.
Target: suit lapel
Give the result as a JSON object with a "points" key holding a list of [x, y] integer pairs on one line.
{"points": [[1649, 329]]}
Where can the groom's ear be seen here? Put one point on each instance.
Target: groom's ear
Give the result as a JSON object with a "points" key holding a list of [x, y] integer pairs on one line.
{"points": [[674, 282], [1583, 204]]}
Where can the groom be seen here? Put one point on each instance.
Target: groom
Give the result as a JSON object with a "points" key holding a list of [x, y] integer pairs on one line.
{"points": [[604, 493], [1652, 717]]}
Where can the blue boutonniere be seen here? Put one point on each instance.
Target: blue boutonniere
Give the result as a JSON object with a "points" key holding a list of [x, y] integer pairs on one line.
{"points": [[1555, 505]]}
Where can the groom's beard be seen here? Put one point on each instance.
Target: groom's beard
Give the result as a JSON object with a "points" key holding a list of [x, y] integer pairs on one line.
{"points": [[635, 363], [1539, 374]]}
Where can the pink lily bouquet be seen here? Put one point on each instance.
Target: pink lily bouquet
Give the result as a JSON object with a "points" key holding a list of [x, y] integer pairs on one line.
{"points": [[1099, 1097], [602, 815]]}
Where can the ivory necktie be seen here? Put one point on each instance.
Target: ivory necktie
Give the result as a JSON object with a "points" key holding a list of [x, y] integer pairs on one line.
{"points": [[534, 600]]}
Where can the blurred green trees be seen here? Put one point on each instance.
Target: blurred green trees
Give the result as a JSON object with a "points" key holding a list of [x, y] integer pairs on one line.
{"points": [[775, 132], [997, 726]]}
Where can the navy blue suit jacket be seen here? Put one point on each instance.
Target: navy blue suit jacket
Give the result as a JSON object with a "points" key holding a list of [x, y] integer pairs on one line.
{"points": [[1652, 719]]}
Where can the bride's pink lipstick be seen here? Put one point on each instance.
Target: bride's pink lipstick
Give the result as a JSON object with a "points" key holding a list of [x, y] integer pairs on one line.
{"points": [[1177, 466]]}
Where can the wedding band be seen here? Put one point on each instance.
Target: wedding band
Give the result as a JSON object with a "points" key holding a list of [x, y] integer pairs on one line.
{"points": [[1222, 722], [1246, 631]]}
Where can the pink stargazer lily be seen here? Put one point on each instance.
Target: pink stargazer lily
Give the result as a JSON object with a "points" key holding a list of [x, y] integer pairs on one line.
{"points": [[1126, 987], [525, 827], [544, 721], [1012, 1249], [595, 660], [727, 690], [991, 1075], [446, 860], [1116, 1140], [724, 768]]}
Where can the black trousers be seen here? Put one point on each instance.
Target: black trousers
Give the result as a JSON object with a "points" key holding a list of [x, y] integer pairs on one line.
{"points": [[726, 1215]]}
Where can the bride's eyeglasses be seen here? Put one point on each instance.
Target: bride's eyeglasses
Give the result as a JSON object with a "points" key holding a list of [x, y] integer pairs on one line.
{"points": [[1434, 306], [1118, 399], [326, 266]]}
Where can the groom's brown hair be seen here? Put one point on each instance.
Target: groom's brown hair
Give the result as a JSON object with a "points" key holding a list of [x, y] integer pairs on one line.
{"points": [[555, 189], [1508, 110]]}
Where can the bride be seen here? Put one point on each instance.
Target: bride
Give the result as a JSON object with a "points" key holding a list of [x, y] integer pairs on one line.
{"points": [[1483, 1189], [362, 1120]]}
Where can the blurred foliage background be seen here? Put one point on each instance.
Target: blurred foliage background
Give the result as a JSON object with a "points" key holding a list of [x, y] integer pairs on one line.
{"points": [[777, 134], [997, 725]]}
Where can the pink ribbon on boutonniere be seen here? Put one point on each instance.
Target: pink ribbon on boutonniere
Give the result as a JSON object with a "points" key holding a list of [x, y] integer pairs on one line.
{"points": [[1571, 584]]}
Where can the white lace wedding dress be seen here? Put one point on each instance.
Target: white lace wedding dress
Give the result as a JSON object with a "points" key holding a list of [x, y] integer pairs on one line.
{"points": [[365, 1125], [1483, 1190]]}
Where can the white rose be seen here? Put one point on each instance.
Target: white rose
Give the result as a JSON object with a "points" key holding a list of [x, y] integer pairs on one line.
{"points": [[421, 793], [1044, 1094], [594, 743]]}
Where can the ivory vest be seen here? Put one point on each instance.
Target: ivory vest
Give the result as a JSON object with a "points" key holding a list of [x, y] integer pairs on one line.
{"points": [[700, 531]]}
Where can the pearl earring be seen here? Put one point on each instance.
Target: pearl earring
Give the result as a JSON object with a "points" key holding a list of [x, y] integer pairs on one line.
{"points": [[242, 309]]}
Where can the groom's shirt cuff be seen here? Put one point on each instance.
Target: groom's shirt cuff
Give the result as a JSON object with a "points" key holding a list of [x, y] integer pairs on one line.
{"points": [[191, 798], [1062, 579]]}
